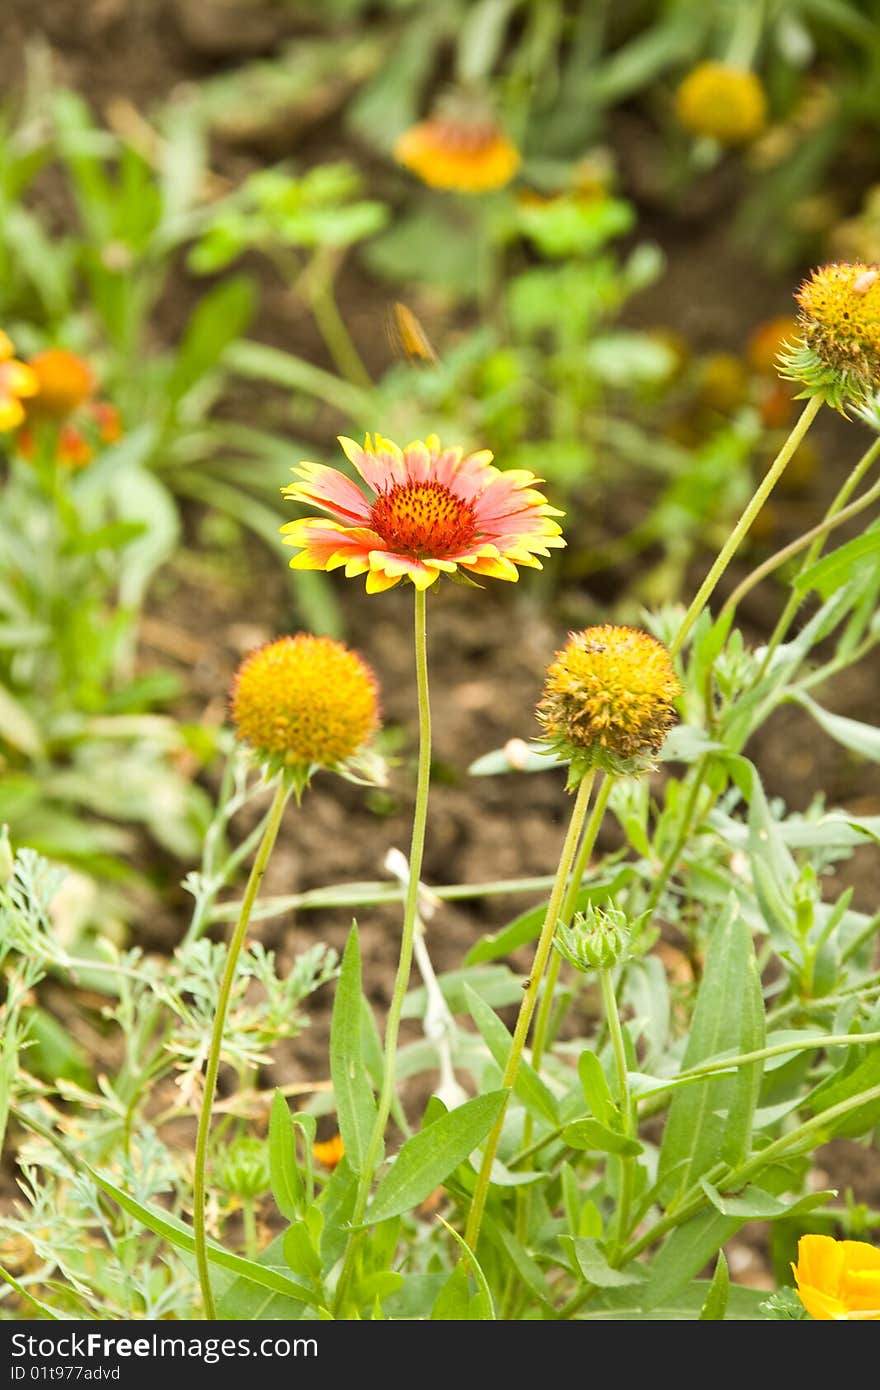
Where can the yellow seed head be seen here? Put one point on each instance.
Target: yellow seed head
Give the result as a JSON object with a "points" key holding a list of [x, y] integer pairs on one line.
{"points": [[608, 699], [724, 102], [305, 699], [840, 319]]}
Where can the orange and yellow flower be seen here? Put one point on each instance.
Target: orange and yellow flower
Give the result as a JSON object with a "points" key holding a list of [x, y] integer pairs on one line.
{"points": [[427, 511], [65, 381], [18, 382], [329, 1151], [838, 1280], [459, 153]]}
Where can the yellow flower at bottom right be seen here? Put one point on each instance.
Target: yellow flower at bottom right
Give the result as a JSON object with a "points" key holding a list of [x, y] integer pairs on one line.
{"points": [[838, 1280]]}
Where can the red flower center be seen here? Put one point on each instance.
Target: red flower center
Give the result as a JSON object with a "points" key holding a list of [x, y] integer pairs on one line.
{"points": [[423, 519]]}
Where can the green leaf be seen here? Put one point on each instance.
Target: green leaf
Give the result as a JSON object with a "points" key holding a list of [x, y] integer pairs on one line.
{"points": [[452, 1303], [287, 1188], [594, 1085], [686, 1251], [355, 1106], [299, 1252], [593, 1264], [532, 1091], [487, 1311], [847, 1085], [528, 1269], [598, 1138], [713, 1121], [684, 1304], [755, 1204], [836, 569], [715, 1305], [863, 739], [427, 1159], [172, 1229], [246, 1301]]}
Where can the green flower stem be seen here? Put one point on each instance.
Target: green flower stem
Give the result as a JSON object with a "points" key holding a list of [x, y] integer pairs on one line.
{"points": [[529, 1000], [566, 912], [332, 327], [834, 511], [816, 535], [612, 1018], [545, 1007], [742, 527], [270, 834], [410, 920], [249, 1221]]}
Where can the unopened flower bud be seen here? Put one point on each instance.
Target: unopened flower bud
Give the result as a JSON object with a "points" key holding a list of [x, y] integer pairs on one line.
{"points": [[597, 939], [243, 1169]]}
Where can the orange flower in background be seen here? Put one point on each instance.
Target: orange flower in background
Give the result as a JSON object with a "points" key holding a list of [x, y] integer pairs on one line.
{"points": [[330, 1151], [305, 699], [99, 422], [65, 382], [427, 511], [838, 1280], [768, 340], [458, 151], [17, 383]]}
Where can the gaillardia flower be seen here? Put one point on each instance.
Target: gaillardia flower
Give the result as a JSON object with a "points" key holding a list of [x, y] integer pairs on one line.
{"points": [[838, 1280], [839, 324], [723, 102], [428, 511], [304, 702], [17, 383], [461, 151], [608, 700], [65, 381]]}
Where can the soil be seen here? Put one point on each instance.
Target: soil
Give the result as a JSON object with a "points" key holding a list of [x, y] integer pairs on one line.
{"points": [[488, 650]]}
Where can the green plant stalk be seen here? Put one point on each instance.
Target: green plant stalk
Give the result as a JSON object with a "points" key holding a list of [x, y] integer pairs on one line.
{"points": [[839, 502], [249, 1221], [817, 534], [545, 1007], [200, 1163], [743, 526], [615, 1032], [404, 965], [566, 912], [529, 1001], [337, 339]]}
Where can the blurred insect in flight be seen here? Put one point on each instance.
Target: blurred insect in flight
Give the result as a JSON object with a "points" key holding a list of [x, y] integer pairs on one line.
{"points": [[407, 336]]}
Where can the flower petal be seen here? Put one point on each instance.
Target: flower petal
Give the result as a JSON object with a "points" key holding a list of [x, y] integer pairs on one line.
{"points": [[326, 487]]}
